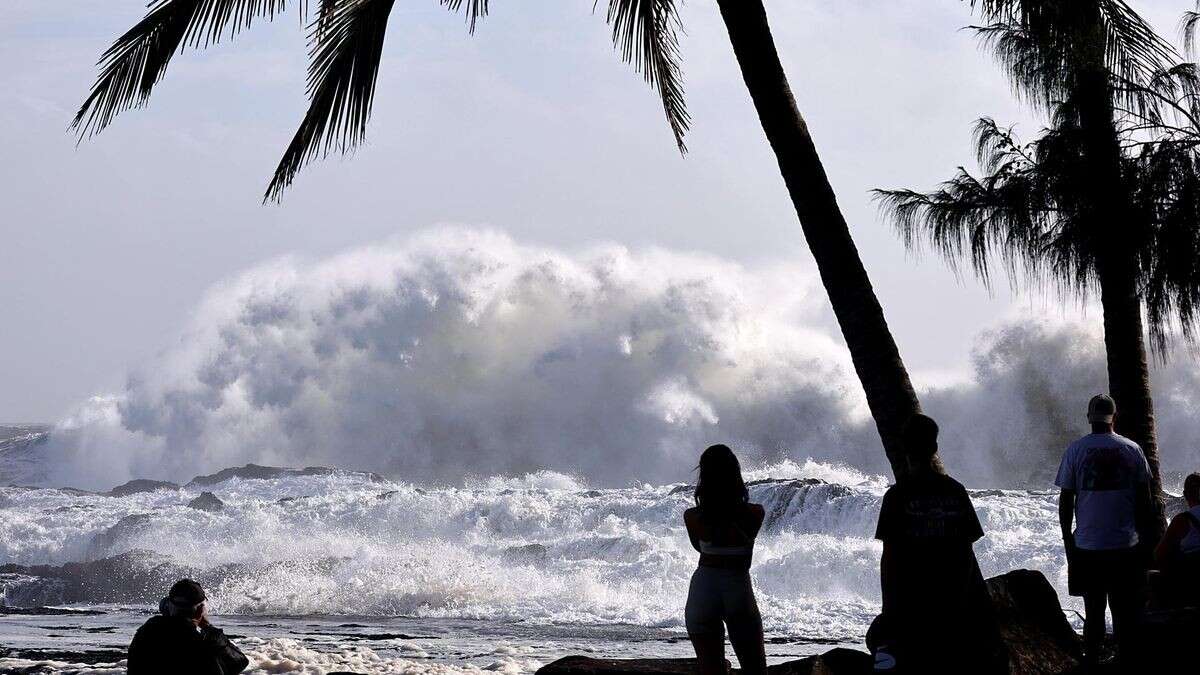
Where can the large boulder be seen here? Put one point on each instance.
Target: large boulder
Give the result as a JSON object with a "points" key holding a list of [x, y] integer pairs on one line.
{"points": [[1040, 640]]}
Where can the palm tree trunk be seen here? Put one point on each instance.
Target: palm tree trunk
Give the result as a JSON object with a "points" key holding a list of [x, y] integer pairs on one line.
{"points": [[1116, 264], [1128, 370], [890, 394]]}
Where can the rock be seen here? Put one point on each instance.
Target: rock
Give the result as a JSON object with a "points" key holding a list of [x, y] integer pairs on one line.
{"points": [[139, 485], [133, 577], [529, 553], [838, 661], [1168, 634], [207, 501], [259, 472], [1040, 639], [123, 528], [247, 472], [585, 665]]}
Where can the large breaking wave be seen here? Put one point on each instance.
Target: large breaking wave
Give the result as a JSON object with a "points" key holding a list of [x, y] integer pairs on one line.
{"points": [[463, 352]]}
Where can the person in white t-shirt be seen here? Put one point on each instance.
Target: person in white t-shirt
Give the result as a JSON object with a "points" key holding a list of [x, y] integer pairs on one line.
{"points": [[1105, 483]]}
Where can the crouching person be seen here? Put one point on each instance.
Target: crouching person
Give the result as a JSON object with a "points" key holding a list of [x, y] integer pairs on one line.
{"points": [[1177, 556], [937, 615], [181, 640]]}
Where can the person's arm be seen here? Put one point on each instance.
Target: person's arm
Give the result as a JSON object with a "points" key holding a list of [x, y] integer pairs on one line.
{"points": [[889, 578], [1170, 542], [757, 516], [229, 659], [133, 660], [1066, 516], [691, 522]]}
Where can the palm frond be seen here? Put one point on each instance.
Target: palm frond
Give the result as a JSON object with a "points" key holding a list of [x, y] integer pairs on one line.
{"points": [[475, 10], [137, 60], [1047, 44], [1187, 30], [347, 47], [1009, 214], [646, 33], [1166, 197]]}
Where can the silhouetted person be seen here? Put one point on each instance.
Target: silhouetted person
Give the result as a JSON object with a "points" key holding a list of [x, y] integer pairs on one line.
{"points": [[1177, 555], [937, 616], [180, 639], [722, 527], [1105, 484]]}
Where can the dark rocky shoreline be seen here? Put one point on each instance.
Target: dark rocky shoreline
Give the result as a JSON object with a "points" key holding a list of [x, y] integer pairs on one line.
{"points": [[1032, 623]]}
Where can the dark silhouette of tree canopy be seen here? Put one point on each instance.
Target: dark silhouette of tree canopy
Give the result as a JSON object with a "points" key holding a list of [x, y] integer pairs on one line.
{"points": [[346, 41], [1106, 199]]}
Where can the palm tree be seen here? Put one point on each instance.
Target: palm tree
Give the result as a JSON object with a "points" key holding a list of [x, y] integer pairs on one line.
{"points": [[1104, 200], [346, 39]]}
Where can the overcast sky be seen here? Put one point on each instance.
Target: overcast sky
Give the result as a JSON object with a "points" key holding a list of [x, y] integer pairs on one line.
{"points": [[532, 126]]}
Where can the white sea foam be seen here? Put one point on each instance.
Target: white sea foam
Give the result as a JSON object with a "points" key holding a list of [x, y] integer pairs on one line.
{"points": [[543, 548], [286, 656]]}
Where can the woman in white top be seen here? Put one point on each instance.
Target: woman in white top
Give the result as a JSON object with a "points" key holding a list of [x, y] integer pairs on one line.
{"points": [[722, 527], [1183, 534]]}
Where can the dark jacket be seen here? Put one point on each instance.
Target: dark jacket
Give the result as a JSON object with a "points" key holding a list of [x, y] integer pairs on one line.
{"points": [[173, 645]]}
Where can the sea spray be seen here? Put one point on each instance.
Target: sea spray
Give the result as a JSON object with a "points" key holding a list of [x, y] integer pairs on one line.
{"points": [[461, 351]]}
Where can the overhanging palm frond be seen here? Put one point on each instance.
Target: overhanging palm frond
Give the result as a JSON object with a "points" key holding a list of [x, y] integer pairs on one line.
{"points": [[475, 9], [347, 47], [137, 61], [646, 32], [1166, 197], [1007, 214]]}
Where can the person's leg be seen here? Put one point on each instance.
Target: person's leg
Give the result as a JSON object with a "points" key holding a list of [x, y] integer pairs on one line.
{"points": [[745, 629], [710, 653], [1127, 599], [702, 616], [1094, 604]]}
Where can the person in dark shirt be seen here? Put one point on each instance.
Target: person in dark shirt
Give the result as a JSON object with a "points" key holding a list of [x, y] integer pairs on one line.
{"points": [[181, 640], [937, 616]]}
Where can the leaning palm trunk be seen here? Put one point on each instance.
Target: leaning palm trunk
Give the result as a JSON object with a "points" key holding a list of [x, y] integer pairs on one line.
{"points": [[876, 359]]}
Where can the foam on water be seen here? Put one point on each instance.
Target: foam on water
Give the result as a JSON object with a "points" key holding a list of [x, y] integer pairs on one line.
{"points": [[542, 548]]}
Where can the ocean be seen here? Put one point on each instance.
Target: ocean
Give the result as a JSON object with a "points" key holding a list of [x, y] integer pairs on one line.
{"points": [[349, 571]]}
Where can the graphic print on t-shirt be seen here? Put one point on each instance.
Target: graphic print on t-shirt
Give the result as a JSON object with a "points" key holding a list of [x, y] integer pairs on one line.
{"points": [[1105, 469], [1107, 472], [934, 515]]}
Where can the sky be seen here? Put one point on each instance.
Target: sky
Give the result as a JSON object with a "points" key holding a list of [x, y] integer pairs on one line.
{"points": [[533, 126]]}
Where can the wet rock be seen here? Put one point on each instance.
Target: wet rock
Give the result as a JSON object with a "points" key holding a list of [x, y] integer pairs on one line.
{"points": [[259, 472], [49, 611], [139, 485], [1167, 633], [122, 529], [1040, 640], [681, 488], [207, 501], [529, 553], [839, 661], [585, 665], [133, 577]]}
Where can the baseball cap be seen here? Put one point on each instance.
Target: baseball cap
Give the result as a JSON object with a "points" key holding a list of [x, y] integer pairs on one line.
{"points": [[1101, 408]]}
